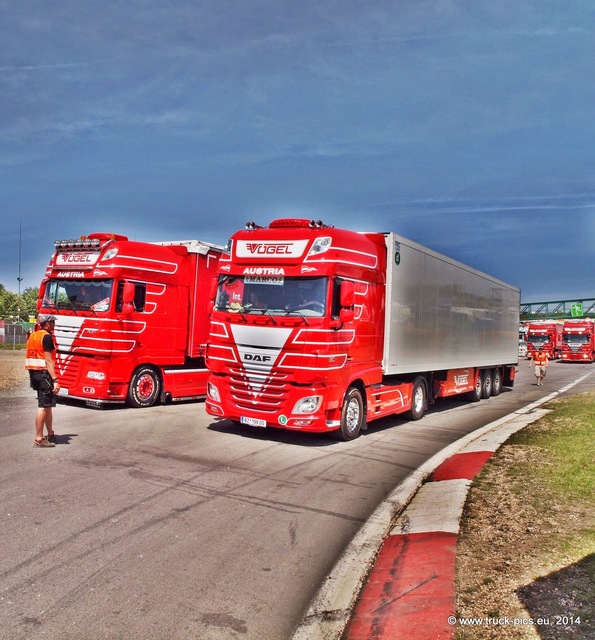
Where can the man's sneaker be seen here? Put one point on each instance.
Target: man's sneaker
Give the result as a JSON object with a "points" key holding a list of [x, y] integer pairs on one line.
{"points": [[43, 443], [51, 438]]}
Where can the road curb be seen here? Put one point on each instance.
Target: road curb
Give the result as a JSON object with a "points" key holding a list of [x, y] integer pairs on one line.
{"points": [[332, 609]]}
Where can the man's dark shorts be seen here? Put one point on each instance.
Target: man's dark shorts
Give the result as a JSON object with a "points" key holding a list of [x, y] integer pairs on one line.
{"points": [[41, 382]]}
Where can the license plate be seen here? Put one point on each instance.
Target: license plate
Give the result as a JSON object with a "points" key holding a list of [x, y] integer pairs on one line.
{"points": [[253, 422]]}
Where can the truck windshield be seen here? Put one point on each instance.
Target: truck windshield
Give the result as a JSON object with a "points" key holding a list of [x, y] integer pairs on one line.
{"points": [[576, 338], [272, 295], [538, 340], [78, 295]]}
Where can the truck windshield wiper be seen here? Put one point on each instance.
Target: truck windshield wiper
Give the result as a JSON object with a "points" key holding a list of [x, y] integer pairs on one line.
{"points": [[250, 308], [68, 304], [268, 313], [290, 310]]}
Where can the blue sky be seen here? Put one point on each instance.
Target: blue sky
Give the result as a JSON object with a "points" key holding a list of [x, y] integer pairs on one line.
{"points": [[465, 125]]}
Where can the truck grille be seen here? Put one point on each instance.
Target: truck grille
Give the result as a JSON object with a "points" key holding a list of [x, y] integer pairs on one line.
{"points": [[575, 348], [68, 371], [252, 389]]}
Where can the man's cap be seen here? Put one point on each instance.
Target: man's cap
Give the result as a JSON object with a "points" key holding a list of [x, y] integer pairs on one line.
{"points": [[45, 318]]}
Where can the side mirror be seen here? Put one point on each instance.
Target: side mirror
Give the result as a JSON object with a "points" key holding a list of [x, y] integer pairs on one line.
{"points": [[128, 298], [346, 315], [347, 294], [346, 301], [41, 294], [213, 288]]}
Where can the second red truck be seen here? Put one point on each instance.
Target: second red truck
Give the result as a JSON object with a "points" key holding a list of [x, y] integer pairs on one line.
{"points": [[131, 318]]}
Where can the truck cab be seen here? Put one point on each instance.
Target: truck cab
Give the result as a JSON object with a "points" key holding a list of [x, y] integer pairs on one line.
{"points": [[298, 313], [131, 318], [578, 340]]}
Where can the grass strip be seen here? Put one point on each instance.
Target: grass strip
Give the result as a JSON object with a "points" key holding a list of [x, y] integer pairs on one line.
{"points": [[527, 544]]}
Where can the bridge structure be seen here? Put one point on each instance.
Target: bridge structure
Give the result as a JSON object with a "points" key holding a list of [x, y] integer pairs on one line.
{"points": [[558, 309]]}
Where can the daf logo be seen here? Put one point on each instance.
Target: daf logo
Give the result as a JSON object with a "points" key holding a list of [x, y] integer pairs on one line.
{"points": [[255, 357]]}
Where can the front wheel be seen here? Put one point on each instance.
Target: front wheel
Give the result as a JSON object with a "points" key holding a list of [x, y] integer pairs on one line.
{"points": [[353, 418], [145, 387], [418, 399]]}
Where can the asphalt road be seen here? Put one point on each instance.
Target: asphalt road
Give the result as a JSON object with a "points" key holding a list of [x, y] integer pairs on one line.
{"points": [[163, 523]]}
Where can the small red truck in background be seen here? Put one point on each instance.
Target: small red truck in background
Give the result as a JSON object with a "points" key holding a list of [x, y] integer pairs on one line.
{"points": [[578, 340], [323, 330], [131, 318], [546, 334]]}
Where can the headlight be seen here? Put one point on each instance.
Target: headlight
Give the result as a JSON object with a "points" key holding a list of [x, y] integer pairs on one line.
{"points": [[320, 245], [96, 375], [213, 392], [110, 253], [310, 404]]}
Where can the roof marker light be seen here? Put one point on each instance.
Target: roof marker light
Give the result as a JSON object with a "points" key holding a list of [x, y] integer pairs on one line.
{"points": [[298, 223]]}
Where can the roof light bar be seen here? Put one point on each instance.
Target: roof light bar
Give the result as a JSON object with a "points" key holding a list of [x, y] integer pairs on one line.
{"points": [[81, 243]]}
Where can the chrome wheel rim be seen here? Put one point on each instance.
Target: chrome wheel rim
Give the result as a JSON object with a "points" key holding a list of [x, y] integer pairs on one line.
{"points": [[352, 415], [418, 399]]}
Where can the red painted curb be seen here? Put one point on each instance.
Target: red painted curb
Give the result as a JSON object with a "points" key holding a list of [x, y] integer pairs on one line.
{"points": [[410, 592], [461, 466]]}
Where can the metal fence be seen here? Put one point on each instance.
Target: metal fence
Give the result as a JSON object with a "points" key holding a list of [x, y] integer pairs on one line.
{"points": [[15, 333]]}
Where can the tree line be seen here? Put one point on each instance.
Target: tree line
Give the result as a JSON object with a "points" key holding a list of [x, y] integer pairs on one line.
{"points": [[18, 308]]}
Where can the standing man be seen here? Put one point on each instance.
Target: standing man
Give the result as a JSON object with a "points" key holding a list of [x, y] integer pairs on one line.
{"points": [[540, 361], [42, 373]]}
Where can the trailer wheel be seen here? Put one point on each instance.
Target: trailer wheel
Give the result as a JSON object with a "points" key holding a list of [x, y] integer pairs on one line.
{"points": [[352, 415], [418, 399], [475, 395], [486, 390], [497, 382], [144, 388]]}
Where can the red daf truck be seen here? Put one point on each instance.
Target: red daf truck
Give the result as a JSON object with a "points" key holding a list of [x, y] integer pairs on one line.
{"points": [[546, 334], [578, 340], [131, 318], [321, 329]]}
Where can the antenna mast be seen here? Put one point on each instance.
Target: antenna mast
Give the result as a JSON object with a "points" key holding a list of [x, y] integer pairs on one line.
{"points": [[19, 278]]}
